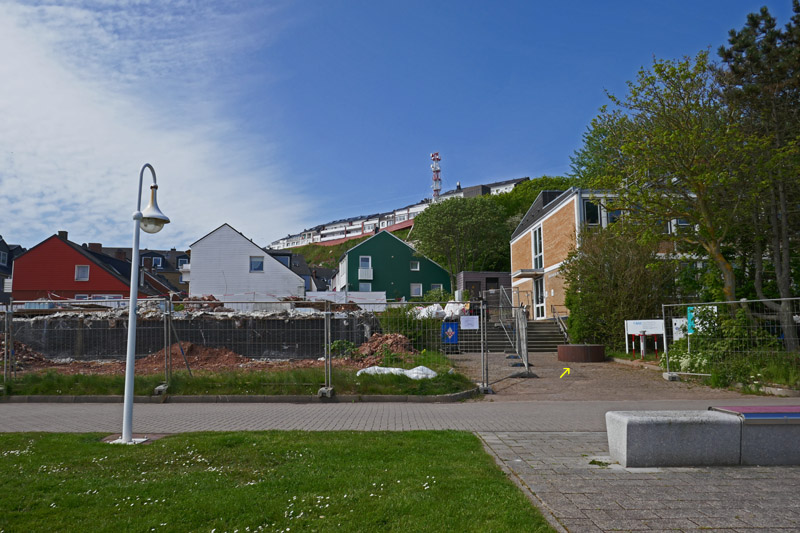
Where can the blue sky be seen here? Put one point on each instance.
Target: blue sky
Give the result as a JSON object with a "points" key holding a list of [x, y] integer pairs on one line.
{"points": [[277, 116]]}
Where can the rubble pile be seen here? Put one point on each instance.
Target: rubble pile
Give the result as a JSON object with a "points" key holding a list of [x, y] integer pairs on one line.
{"points": [[25, 356], [205, 303], [200, 358], [391, 342]]}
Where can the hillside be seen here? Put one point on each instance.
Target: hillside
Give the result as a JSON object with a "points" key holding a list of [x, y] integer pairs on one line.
{"points": [[325, 256], [328, 256]]}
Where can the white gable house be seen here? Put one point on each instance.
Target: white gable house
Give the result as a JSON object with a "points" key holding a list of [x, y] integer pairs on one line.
{"points": [[229, 266]]}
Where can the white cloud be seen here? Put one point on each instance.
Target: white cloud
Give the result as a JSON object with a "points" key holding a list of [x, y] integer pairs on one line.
{"points": [[91, 92]]}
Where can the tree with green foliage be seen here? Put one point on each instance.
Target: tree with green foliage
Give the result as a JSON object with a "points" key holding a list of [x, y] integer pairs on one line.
{"points": [[462, 234], [761, 79], [672, 149], [612, 277], [484, 225], [517, 201]]}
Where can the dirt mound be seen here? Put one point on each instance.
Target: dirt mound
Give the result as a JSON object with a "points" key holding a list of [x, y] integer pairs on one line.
{"points": [[381, 343], [25, 356], [199, 358]]}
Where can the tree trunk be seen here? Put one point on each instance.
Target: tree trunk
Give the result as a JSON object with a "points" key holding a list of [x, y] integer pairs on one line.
{"points": [[779, 219], [778, 222], [729, 279]]}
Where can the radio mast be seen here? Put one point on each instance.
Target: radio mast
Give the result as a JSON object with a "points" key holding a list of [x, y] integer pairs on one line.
{"points": [[437, 180]]}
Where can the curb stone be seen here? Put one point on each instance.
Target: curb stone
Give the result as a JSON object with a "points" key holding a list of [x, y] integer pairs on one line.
{"points": [[222, 398]]}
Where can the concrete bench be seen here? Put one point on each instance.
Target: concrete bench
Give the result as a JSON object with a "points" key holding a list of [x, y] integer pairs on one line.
{"points": [[770, 434], [717, 437]]}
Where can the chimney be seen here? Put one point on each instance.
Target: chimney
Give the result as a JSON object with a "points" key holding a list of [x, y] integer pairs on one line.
{"points": [[63, 234], [120, 254], [147, 263], [96, 247]]}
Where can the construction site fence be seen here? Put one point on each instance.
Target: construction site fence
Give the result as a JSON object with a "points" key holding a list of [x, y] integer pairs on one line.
{"points": [[733, 338], [315, 333]]}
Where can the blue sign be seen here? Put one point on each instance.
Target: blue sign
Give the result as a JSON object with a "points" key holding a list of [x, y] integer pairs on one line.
{"points": [[450, 332], [690, 320]]}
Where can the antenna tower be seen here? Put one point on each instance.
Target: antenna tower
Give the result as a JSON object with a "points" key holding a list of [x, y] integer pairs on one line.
{"points": [[437, 180]]}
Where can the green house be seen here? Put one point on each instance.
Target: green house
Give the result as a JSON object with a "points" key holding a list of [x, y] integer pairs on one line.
{"points": [[386, 263]]}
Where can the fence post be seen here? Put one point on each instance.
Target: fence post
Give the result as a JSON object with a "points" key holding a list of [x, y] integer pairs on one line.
{"points": [[327, 390], [485, 388], [12, 356], [663, 319], [6, 331], [169, 337], [167, 307]]}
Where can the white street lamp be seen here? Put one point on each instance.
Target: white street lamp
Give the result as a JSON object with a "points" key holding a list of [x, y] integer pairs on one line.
{"points": [[151, 220]]}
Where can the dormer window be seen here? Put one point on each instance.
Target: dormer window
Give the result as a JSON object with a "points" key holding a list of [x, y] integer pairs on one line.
{"points": [[4, 258], [152, 261]]}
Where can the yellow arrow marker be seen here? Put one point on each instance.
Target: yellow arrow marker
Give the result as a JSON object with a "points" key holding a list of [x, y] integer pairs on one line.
{"points": [[566, 371]]}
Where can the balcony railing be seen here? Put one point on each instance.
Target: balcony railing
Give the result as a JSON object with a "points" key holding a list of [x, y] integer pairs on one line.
{"points": [[365, 274]]}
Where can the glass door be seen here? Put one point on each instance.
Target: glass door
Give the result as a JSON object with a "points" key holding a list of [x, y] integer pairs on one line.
{"points": [[538, 298]]}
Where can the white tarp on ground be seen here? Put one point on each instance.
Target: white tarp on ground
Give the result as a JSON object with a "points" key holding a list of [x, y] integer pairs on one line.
{"points": [[419, 372], [369, 301]]}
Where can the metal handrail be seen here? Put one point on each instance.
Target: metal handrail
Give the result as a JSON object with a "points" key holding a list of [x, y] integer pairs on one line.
{"points": [[560, 322]]}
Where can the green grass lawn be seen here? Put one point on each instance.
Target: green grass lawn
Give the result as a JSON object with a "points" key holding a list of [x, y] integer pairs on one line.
{"points": [[301, 381], [259, 481]]}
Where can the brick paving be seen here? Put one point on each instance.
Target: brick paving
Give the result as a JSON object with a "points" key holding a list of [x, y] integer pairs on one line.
{"points": [[555, 469], [543, 432]]}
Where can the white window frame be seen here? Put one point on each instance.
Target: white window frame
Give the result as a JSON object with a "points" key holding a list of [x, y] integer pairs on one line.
{"points": [[364, 286], [538, 252], [182, 261], [77, 270], [413, 264], [157, 262], [416, 286], [4, 258], [437, 286], [369, 261], [261, 257]]}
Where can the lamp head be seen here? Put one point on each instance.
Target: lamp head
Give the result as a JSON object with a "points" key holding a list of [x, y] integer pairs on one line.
{"points": [[152, 217]]}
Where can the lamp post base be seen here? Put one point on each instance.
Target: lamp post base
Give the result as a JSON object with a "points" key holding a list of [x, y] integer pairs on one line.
{"points": [[133, 441]]}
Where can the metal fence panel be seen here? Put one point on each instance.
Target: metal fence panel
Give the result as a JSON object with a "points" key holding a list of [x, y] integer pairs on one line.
{"points": [[733, 338], [474, 337]]}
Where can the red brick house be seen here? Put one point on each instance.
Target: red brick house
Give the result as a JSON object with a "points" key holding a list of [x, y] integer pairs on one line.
{"points": [[57, 268]]}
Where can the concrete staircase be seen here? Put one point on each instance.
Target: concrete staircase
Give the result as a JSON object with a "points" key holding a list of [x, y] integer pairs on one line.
{"points": [[544, 336]]}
